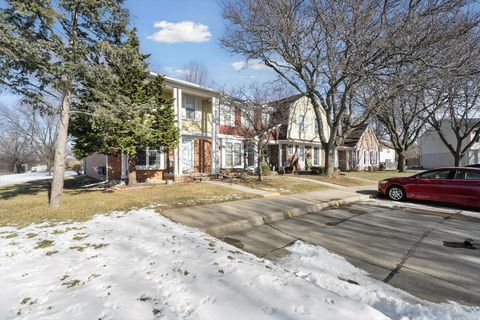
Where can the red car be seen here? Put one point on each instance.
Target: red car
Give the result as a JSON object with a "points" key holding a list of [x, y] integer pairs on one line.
{"points": [[453, 185]]}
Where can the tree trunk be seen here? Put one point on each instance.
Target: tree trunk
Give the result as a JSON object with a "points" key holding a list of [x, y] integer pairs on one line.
{"points": [[132, 171], [259, 163], [457, 159], [330, 160], [401, 162], [56, 192]]}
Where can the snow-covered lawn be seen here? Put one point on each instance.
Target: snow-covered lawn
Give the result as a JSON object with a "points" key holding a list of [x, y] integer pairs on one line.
{"points": [[139, 265], [26, 177]]}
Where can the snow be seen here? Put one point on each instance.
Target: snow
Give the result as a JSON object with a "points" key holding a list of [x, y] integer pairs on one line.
{"points": [[140, 265], [26, 177], [330, 271]]}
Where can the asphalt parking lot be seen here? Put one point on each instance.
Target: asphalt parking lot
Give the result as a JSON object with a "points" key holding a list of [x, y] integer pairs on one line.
{"points": [[401, 246]]}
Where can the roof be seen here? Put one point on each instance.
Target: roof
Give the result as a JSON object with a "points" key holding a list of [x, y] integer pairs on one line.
{"points": [[288, 101], [352, 139], [185, 83], [385, 144]]}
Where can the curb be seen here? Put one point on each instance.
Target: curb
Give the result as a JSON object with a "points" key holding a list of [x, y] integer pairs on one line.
{"points": [[242, 225]]}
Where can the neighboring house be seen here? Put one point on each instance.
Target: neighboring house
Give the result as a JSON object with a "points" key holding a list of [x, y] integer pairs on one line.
{"points": [[194, 106], [296, 141], [360, 150], [387, 152], [434, 153]]}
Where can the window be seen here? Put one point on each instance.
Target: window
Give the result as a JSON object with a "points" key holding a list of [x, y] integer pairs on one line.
{"points": [[251, 155], [437, 174], [315, 125], [190, 104], [248, 118], [316, 156], [150, 158], [301, 123], [467, 175], [233, 154], [365, 154], [227, 115]]}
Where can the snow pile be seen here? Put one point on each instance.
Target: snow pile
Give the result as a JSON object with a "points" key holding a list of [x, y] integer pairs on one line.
{"points": [[28, 176], [139, 265], [332, 272]]}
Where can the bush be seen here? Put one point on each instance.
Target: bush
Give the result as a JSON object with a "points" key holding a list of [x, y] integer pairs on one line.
{"points": [[317, 170], [265, 169], [281, 170], [288, 170]]}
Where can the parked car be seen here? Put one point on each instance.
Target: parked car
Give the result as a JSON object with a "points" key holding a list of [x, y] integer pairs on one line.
{"points": [[458, 185], [477, 165]]}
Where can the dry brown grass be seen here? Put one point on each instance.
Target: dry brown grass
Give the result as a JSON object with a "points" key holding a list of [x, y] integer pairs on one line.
{"points": [[27, 203], [282, 184]]}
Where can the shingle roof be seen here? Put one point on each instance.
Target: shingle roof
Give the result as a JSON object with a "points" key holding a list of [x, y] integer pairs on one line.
{"points": [[352, 139]]}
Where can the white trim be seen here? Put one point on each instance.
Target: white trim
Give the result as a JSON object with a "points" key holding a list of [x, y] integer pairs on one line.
{"points": [[232, 141]]}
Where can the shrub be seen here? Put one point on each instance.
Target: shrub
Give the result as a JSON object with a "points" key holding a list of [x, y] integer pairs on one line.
{"points": [[281, 170], [317, 170], [265, 169], [288, 169]]}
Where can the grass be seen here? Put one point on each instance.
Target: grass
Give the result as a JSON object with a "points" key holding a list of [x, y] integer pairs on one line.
{"points": [[338, 179], [26, 203], [282, 184], [378, 175]]}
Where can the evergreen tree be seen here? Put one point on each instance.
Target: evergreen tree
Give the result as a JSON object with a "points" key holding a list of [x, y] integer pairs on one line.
{"points": [[48, 48], [135, 114]]}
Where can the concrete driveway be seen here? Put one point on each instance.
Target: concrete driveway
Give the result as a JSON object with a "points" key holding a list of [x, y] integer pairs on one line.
{"points": [[403, 247]]}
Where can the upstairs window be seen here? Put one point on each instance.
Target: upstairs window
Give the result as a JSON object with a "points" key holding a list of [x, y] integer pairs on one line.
{"points": [[227, 115], [190, 104], [301, 123]]}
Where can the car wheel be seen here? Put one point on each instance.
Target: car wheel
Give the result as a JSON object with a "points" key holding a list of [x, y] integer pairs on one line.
{"points": [[396, 193]]}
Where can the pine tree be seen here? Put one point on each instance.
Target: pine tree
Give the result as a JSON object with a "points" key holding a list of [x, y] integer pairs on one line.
{"points": [[134, 115], [48, 49]]}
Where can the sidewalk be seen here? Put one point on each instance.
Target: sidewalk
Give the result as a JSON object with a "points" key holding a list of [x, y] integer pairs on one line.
{"points": [[235, 216]]}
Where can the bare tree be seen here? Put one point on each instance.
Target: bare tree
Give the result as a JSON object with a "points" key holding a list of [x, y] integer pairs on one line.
{"points": [[403, 117], [196, 72], [456, 114], [259, 119], [329, 49], [16, 148]]}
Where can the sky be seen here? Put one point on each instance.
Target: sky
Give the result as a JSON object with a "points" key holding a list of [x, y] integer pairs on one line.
{"points": [[175, 32]]}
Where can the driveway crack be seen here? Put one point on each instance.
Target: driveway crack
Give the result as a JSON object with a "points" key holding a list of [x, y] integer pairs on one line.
{"points": [[414, 248]]}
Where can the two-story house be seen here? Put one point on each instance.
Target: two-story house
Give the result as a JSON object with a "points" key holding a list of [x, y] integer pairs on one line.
{"points": [[434, 153], [196, 152], [296, 142]]}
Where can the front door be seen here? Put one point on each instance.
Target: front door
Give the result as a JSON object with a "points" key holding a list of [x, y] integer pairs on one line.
{"points": [[187, 155]]}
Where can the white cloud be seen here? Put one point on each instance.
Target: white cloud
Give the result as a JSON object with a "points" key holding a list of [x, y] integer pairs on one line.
{"points": [[184, 31], [254, 64]]}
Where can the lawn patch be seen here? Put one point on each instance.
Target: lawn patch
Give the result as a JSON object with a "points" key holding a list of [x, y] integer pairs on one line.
{"points": [[44, 244], [282, 184], [27, 203]]}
